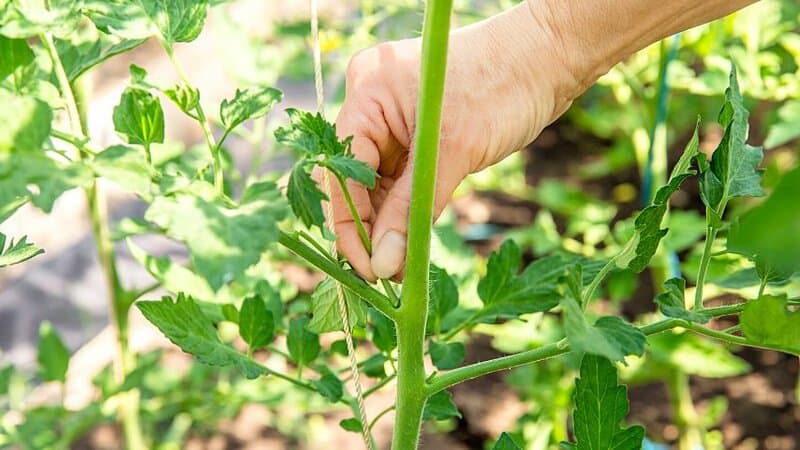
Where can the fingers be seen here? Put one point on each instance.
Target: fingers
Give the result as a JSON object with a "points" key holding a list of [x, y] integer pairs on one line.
{"points": [[349, 241], [390, 229]]}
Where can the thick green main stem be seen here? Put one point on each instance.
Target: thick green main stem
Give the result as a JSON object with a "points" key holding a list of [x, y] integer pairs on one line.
{"points": [[120, 303], [413, 311]]}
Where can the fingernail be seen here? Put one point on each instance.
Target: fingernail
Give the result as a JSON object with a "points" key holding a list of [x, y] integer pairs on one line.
{"points": [[389, 254]]}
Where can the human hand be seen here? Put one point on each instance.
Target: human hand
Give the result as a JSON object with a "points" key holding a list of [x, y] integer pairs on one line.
{"points": [[501, 90]]}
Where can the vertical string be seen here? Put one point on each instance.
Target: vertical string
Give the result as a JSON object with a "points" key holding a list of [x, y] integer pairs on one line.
{"points": [[344, 314]]}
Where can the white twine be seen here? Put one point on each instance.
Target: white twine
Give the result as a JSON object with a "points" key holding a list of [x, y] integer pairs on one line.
{"points": [[344, 314]]}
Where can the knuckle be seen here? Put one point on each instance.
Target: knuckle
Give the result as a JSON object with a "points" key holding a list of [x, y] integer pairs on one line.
{"points": [[357, 64]]}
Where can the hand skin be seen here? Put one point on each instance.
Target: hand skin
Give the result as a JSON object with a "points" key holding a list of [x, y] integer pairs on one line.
{"points": [[507, 78]]}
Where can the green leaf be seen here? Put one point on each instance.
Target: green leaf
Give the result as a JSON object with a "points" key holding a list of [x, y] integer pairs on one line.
{"points": [[305, 198], [272, 299], [786, 129], [600, 406], [176, 278], [351, 424], [506, 443], [769, 232], [303, 345], [36, 177], [672, 302], [174, 20], [610, 336], [184, 19], [79, 57], [16, 54], [374, 366], [250, 103], [26, 123], [52, 355], [501, 270], [126, 167], [224, 239], [690, 354], [440, 406], [311, 135], [325, 312], [506, 294], [256, 325], [316, 141], [647, 231], [348, 167], [230, 313], [767, 321], [28, 19], [685, 228], [183, 322], [5, 379], [384, 335], [733, 171], [185, 97], [329, 386], [339, 347], [443, 297], [18, 252], [447, 356], [139, 117]]}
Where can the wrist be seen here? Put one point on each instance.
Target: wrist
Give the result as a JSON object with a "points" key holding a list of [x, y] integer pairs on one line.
{"points": [[518, 65], [590, 37]]}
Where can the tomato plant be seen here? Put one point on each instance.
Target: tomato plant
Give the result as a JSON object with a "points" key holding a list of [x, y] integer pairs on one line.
{"points": [[234, 236]]}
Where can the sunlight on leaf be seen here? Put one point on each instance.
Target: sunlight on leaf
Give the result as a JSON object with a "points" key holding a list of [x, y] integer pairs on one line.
{"points": [[767, 321], [184, 323], [325, 315], [16, 252]]}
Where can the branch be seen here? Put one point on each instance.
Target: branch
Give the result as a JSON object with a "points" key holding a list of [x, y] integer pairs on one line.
{"points": [[445, 380], [350, 281]]}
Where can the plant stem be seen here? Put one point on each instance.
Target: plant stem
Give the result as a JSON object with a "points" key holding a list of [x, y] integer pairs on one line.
{"points": [[348, 279], [444, 380], [413, 311], [589, 292], [763, 285], [213, 148], [120, 302], [317, 246], [379, 415], [76, 142], [294, 381], [686, 417], [461, 326], [711, 234], [73, 116], [731, 339], [378, 386], [362, 232], [390, 292]]}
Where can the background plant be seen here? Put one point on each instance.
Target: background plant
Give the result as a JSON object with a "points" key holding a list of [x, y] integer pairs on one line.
{"points": [[232, 233]]}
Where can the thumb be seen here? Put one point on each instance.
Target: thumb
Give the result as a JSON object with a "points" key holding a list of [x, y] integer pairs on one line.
{"points": [[390, 228]]}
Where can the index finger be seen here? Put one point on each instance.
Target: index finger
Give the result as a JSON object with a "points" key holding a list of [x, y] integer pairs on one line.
{"points": [[349, 241]]}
